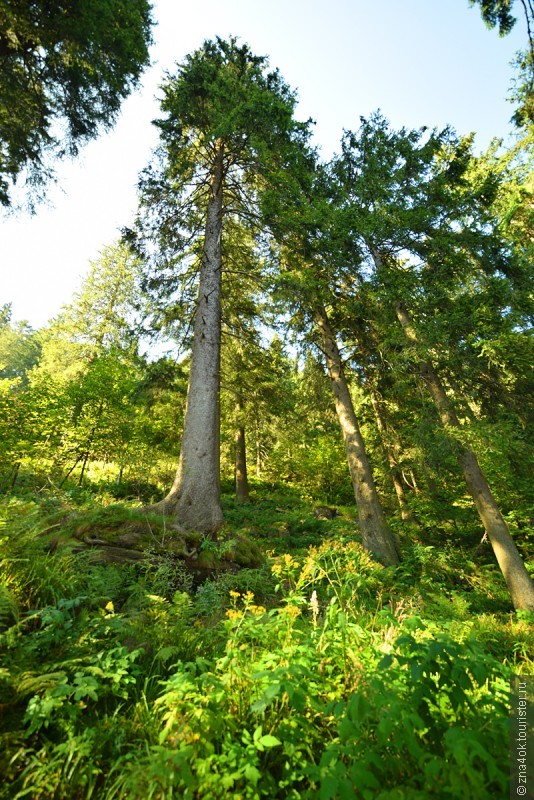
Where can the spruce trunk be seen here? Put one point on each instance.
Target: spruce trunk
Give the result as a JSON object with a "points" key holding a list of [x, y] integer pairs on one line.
{"points": [[515, 573], [258, 448], [194, 499], [376, 535], [395, 472], [241, 476]]}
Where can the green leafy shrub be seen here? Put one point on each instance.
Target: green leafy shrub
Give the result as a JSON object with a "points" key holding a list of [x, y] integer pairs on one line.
{"points": [[320, 674], [429, 723]]}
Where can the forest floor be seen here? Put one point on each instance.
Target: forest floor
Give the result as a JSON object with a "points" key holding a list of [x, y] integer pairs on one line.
{"points": [[279, 661]]}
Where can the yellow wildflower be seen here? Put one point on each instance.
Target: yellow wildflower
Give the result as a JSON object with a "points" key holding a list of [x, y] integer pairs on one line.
{"points": [[289, 560], [233, 614], [292, 612]]}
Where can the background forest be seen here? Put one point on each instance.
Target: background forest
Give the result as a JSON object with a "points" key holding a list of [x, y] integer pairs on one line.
{"points": [[333, 596]]}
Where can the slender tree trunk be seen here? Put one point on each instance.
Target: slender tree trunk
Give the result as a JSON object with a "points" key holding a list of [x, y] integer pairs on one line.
{"points": [[241, 477], [71, 470], [258, 447], [90, 441], [396, 475], [414, 482], [85, 460], [194, 499], [515, 573], [15, 475], [470, 409], [394, 470], [376, 535]]}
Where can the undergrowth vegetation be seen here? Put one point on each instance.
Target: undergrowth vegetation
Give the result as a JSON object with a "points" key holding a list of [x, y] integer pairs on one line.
{"points": [[316, 674], [292, 333]]}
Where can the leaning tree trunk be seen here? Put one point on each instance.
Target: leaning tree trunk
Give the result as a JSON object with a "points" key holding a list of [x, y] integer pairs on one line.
{"points": [[376, 535], [396, 476], [515, 573], [241, 476], [195, 497]]}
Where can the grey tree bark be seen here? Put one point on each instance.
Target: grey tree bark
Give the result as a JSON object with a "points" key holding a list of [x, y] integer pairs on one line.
{"points": [[518, 580], [257, 431], [376, 534], [241, 475], [194, 499]]}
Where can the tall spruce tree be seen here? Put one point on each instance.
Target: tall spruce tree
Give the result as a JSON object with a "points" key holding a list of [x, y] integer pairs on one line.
{"points": [[227, 132], [309, 275], [412, 211]]}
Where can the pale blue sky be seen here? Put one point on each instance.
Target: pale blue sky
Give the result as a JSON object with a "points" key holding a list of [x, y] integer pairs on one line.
{"points": [[422, 62]]}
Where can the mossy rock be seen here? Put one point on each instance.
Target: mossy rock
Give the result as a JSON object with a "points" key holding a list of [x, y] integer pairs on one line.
{"points": [[119, 534], [119, 525], [122, 534], [244, 552], [116, 555], [208, 560]]}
